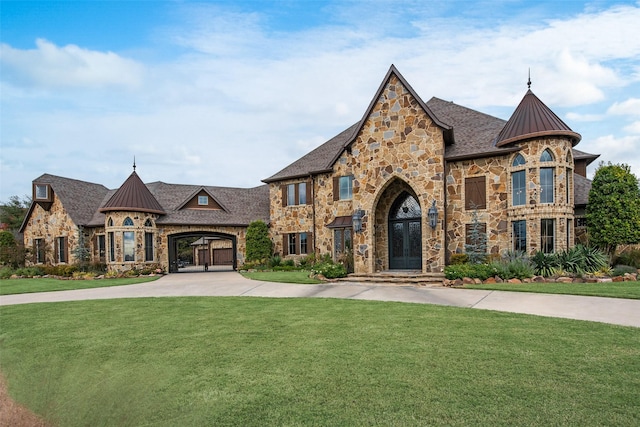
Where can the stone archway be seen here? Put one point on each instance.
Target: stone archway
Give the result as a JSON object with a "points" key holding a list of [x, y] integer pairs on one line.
{"points": [[396, 195]]}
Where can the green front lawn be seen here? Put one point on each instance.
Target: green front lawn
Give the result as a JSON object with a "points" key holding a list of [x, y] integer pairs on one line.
{"points": [[24, 286], [613, 289], [299, 276], [258, 361]]}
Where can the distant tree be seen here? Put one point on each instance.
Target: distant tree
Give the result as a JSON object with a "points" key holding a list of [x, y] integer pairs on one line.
{"points": [[11, 252], [613, 211], [81, 250], [12, 212], [476, 249], [259, 245]]}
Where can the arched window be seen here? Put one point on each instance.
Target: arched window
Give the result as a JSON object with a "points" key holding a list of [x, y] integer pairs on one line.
{"points": [[569, 159], [128, 222], [518, 160], [148, 223], [546, 156], [110, 222]]}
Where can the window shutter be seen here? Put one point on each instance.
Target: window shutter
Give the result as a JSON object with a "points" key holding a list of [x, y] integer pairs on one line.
{"points": [[296, 197], [284, 195], [298, 244], [309, 202], [310, 247], [65, 244], [56, 250], [285, 244], [336, 188], [475, 193]]}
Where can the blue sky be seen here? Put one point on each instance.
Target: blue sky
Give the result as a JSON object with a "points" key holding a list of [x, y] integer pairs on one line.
{"points": [[229, 92]]}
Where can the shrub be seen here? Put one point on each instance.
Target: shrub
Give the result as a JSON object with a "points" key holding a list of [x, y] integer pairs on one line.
{"points": [[629, 257], [275, 261], [330, 270], [474, 271], [289, 263], [519, 268], [544, 264], [621, 270], [457, 259], [592, 258], [308, 261], [259, 245]]}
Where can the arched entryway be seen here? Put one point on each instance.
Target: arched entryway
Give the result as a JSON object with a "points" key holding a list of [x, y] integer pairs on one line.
{"points": [[405, 233], [206, 237]]}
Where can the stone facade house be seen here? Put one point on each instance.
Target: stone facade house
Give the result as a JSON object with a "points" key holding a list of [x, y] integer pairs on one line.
{"points": [[404, 188]]}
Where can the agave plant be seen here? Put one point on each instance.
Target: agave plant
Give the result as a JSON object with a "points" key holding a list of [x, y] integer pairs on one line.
{"points": [[545, 264], [592, 258]]}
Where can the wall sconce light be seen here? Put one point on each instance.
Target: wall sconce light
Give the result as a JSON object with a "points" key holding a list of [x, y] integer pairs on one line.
{"points": [[356, 220], [433, 215]]}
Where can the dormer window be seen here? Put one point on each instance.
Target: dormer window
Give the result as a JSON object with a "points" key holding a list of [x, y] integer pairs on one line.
{"points": [[203, 200], [42, 193]]}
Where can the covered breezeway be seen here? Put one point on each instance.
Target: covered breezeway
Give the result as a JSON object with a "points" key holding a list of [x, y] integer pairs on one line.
{"points": [[216, 260]]}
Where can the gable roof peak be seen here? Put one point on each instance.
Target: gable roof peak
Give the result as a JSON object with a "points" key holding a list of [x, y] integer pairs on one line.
{"points": [[533, 119], [134, 196]]}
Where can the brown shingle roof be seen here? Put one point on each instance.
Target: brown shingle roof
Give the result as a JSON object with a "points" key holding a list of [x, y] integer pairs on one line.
{"points": [[532, 119], [581, 188], [134, 196], [80, 199]]}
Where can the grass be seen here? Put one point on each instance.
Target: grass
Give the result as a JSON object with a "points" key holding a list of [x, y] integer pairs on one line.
{"points": [[252, 361], [24, 286], [299, 276], [629, 290]]}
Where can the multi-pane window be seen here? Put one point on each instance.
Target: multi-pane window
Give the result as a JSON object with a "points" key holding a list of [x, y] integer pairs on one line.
{"points": [[148, 223], [520, 236], [518, 188], [518, 184], [297, 243], [101, 247], [346, 187], [547, 178], [42, 192], [295, 194], [38, 249], [203, 200], [303, 243], [341, 241], [292, 243], [546, 185], [148, 246], [547, 235], [112, 247], [128, 222], [128, 246], [61, 249]]}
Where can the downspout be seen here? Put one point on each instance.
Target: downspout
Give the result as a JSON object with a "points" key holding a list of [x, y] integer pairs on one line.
{"points": [[313, 211], [444, 211]]}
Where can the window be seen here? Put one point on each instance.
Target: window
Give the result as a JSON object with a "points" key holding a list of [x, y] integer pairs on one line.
{"points": [[518, 188], [520, 236], [341, 241], [296, 243], [148, 246], [101, 247], [296, 194], [546, 156], [110, 222], [518, 160], [61, 249], [42, 192], [112, 247], [203, 200], [128, 222], [568, 185], [38, 250], [475, 193], [342, 187], [129, 249], [302, 193], [581, 222], [148, 223], [568, 233], [547, 235], [546, 185]]}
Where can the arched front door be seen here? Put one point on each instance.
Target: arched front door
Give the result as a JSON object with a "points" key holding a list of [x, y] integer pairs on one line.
{"points": [[405, 234]]}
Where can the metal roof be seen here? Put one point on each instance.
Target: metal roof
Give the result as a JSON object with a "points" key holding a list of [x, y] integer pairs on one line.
{"points": [[134, 196], [533, 119]]}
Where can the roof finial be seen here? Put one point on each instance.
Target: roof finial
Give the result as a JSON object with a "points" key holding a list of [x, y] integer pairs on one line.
{"points": [[529, 81], [134, 163]]}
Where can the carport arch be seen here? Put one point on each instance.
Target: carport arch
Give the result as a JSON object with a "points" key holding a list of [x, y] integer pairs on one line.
{"points": [[172, 243]]}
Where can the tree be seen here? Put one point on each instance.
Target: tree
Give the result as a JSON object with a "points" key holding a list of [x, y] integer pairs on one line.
{"points": [[259, 245], [613, 211], [476, 249], [12, 212], [11, 253]]}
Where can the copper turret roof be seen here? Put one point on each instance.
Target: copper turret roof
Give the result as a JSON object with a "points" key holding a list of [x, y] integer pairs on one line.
{"points": [[533, 119], [134, 196]]}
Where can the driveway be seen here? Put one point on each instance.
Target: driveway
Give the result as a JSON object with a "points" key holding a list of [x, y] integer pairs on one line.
{"points": [[229, 283]]}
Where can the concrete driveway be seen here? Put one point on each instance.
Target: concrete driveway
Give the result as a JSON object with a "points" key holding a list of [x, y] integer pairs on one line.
{"points": [[229, 283]]}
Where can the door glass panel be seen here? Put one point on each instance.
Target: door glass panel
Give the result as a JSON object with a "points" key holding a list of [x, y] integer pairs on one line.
{"points": [[414, 239], [397, 242]]}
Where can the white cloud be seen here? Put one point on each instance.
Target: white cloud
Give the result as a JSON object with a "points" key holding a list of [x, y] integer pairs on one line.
{"points": [[633, 128], [630, 107], [618, 150], [579, 117], [69, 66]]}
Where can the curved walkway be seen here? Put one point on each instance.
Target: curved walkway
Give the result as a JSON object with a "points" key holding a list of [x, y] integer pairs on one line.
{"points": [[229, 283]]}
